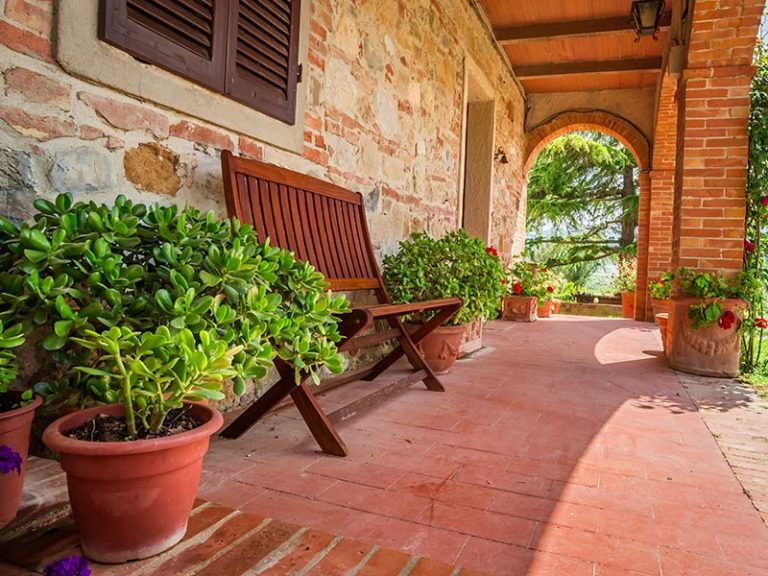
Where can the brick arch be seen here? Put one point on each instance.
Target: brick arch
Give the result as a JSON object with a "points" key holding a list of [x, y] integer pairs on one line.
{"points": [[621, 129]]}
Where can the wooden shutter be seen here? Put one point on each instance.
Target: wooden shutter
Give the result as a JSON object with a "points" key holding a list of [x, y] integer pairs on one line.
{"points": [[262, 63], [188, 37]]}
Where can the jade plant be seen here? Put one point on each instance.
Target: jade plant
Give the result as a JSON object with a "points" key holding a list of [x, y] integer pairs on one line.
{"points": [[151, 306], [425, 268]]}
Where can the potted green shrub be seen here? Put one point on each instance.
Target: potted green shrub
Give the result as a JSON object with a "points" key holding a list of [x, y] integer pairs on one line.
{"points": [[519, 304], [151, 309], [624, 284], [17, 409], [704, 320], [544, 290], [455, 265], [660, 289]]}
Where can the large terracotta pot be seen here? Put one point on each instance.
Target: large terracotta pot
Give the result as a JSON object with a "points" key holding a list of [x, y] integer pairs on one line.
{"points": [[519, 308], [544, 309], [15, 427], [131, 500], [710, 351], [441, 347], [628, 305], [472, 340]]}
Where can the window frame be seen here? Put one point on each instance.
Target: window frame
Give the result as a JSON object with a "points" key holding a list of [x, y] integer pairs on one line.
{"points": [[220, 73], [82, 54]]}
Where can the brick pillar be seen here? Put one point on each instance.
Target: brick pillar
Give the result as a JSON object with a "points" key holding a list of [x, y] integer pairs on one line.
{"points": [[660, 229], [712, 188], [713, 96], [642, 309]]}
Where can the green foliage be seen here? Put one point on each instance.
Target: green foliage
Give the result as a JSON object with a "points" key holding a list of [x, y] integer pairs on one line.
{"points": [[582, 200], [102, 281], [454, 265], [625, 279], [755, 266], [661, 288], [10, 338], [711, 289], [520, 280]]}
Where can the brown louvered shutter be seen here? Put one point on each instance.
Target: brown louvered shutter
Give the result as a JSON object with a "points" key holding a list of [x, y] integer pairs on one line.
{"points": [[262, 63], [188, 37]]}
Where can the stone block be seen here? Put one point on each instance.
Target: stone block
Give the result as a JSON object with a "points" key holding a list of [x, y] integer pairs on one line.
{"points": [[34, 87], [152, 167], [17, 184], [85, 169], [127, 116]]}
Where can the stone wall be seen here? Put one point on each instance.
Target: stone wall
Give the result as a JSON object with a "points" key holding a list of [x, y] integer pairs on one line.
{"points": [[385, 92]]}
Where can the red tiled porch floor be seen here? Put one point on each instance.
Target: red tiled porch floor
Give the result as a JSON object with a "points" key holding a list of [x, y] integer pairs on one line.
{"points": [[565, 447]]}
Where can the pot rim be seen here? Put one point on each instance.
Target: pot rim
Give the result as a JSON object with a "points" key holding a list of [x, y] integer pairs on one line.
{"points": [[55, 439], [685, 298], [22, 409]]}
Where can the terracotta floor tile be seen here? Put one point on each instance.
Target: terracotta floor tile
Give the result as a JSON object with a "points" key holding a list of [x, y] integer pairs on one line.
{"points": [[301, 511], [376, 475], [385, 562], [462, 493], [375, 500], [341, 558], [495, 557], [481, 524]]}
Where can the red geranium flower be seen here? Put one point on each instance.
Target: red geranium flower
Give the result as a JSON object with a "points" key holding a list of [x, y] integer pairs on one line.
{"points": [[517, 288], [761, 322], [726, 320], [764, 200], [491, 250], [550, 289], [749, 246]]}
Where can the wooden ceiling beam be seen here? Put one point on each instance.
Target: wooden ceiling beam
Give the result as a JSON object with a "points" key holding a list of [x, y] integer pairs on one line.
{"points": [[569, 68], [576, 28]]}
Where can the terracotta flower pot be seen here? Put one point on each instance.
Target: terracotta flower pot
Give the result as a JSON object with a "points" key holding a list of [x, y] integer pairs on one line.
{"points": [[472, 340], [662, 321], [131, 500], [710, 351], [441, 347], [544, 309], [628, 305], [519, 308], [15, 427], [659, 306]]}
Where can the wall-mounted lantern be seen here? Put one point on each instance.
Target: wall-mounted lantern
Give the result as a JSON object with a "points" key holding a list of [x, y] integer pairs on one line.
{"points": [[645, 17]]}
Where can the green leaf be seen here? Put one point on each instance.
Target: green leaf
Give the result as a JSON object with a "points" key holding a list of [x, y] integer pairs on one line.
{"points": [[53, 342]]}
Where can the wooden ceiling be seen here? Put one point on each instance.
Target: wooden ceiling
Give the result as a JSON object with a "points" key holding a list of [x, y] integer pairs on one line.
{"points": [[576, 45]]}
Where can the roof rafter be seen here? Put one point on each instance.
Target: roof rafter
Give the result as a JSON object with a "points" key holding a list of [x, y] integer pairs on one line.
{"points": [[550, 30], [600, 66]]}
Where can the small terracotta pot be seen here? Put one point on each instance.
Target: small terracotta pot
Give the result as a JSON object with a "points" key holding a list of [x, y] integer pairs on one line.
{"points": [[659, 306], [519, 308], [131, 500], [441, 347], [628, 305], [15, 427], [712, 351], [472, 340], [662, 321], [544, 309]]}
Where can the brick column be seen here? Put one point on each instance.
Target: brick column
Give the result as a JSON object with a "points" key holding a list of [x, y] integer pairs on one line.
{"points": [[711, 190], [713, 96], [642, 309]]}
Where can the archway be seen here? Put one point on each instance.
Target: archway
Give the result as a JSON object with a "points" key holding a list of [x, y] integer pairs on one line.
{"points": [[636, 142]]}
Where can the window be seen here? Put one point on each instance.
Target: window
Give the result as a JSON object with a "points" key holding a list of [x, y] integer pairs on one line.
{"points": [[246, 49]]}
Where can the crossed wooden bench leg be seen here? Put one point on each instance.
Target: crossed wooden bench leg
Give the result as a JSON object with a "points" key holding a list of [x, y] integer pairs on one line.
{"points": [[407, 347], [322, 429]]}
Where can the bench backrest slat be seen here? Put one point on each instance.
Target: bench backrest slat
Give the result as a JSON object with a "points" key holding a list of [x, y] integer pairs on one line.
{"points": [[320, 222]]}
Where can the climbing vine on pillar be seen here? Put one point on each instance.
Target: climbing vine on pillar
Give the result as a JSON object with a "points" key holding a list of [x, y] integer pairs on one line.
{"points": [[755, 268]]}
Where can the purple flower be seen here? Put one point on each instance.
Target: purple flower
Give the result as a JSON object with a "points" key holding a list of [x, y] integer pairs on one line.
{"points": [[9, 460], [70, 566]]}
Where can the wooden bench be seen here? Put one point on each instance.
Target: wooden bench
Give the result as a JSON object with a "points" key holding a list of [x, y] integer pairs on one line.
{"points": [[325, 225]]}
